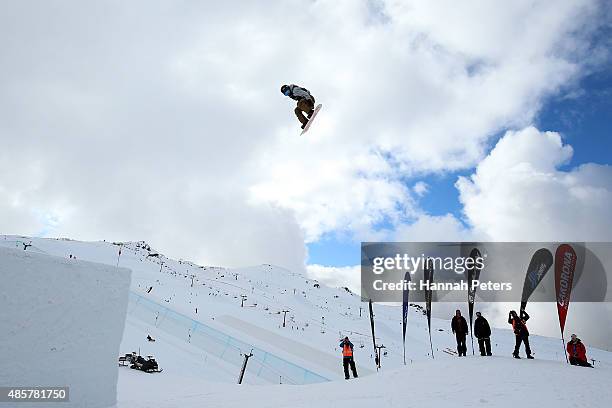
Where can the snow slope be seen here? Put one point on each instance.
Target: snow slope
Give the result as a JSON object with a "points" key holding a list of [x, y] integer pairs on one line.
{"points": [[198, 373], [467, 382], [61, 322]]}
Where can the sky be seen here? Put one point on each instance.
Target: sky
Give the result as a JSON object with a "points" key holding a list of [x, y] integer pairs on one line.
{"points": [[581, 115], [163, 121]]}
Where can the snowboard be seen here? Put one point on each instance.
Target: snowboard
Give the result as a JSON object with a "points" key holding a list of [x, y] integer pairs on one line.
{"points": [[316, 110]]}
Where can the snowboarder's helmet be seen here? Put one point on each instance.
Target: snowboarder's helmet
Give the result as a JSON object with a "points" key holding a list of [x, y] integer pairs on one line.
{"points": [[285, 90]]}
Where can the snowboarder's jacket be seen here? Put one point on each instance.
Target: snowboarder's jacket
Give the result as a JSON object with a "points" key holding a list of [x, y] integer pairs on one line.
{"points": [[481, 328], [518, 324], [347, 349], [577, 350], [297, 93], [459, 325]]}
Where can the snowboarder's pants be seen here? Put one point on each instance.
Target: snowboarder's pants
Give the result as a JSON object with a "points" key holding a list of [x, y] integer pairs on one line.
{"points": [[304, 105], [484, 344], [525, 339], [346, 361], [578, 362], [461, 347]]}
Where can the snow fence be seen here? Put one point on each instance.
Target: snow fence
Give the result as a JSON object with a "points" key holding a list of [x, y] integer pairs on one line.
{"points": [[61, 323], [262, 364]]}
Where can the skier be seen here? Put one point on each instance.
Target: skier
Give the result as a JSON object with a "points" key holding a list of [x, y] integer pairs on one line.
{"points": [[305, 102], [577, 352], [347, 358], [521, 332], [482, 331], [460, 329]]}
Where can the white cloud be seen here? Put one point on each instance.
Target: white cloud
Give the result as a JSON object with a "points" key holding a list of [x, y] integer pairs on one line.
{"points": [[429, 228], [345, 276], [421, 188], [161, 121], [520, 193]]}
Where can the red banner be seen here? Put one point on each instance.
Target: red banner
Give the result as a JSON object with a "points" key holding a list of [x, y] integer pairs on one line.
{"points": [[565, 264]]}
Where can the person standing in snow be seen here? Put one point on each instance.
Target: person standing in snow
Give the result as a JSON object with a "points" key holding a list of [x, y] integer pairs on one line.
{"points": [[521, 332], [347, 358], [460, 329], [482, 331], [305, 102], [577, 352]]}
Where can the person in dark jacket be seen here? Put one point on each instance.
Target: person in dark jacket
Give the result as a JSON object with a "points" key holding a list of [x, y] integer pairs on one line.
{"points": [[460, 329], [521, 332], [576, 352], [347, 358], [305, 102], [482, 331]]}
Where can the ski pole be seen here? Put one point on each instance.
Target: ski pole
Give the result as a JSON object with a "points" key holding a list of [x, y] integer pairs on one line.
{"points": [[472, 336]]}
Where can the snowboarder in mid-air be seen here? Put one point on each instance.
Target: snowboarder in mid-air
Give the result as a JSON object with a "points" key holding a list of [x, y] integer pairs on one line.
{"points": [[460, 329], [347, 358], [305, 103]]}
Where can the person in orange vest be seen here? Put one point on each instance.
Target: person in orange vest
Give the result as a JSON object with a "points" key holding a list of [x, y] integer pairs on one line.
{"points": [[347, 358], [576, 352], [520, 331]]}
